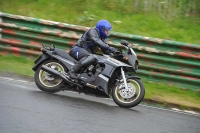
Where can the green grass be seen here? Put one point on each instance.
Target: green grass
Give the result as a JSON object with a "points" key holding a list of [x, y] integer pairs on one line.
{"points": [[87, 13], [18, 65], [167, 95], [172, 95]]}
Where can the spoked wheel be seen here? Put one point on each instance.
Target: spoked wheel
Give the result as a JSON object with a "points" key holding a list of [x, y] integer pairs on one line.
{"points": [[131, 96], [48, 82]]}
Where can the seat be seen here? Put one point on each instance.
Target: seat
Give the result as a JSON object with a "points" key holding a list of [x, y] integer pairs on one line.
{"points": [[64, 54]]}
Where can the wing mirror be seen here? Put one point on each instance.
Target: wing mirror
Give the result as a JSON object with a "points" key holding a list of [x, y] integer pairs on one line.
{"points": [[124, 42]]}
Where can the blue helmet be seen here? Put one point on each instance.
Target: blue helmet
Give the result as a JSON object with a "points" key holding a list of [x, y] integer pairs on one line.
{"points": [[104, 28]]}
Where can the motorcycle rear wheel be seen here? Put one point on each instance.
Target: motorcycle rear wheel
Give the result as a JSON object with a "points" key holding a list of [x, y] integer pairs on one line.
{"points": [[130, 97], [48, 82]]}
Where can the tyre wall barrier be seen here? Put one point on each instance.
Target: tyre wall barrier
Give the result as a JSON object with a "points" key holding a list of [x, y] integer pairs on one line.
{"points": [[160, 60]]}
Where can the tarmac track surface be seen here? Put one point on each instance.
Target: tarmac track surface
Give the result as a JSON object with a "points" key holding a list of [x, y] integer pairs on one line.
{"points": [[25, 109]]}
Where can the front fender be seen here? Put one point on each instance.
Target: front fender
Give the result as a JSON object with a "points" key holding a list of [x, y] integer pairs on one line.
{"points": [[135, 77], [39, 60], [127, 77]]}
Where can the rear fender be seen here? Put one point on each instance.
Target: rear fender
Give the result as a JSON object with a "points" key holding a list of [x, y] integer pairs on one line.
{"points": [[45, 57], [39, 60]]}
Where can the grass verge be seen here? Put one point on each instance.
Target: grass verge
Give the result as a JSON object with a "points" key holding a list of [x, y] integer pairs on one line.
{"points": [[157, 93], [87, 13]]}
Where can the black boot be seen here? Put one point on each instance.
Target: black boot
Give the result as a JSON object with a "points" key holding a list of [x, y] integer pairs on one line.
{"points": [[73, 72], [84, 62]]}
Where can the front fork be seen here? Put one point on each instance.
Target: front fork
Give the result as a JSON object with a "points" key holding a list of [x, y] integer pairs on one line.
{"points": [[124, 78]]}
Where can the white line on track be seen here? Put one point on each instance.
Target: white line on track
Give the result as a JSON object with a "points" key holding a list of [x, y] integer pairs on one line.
{"points": [[187, 112], [17, 81]]}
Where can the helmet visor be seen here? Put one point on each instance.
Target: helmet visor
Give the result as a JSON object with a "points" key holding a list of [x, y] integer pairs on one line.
{"points": [[106, 31]]}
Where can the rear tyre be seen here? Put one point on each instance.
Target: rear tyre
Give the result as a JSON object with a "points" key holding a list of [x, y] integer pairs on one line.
{"points": [[130, 97], [48, 82]]}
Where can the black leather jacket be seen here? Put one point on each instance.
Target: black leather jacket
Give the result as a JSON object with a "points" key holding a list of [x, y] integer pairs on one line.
{"points": [[92, 41]]}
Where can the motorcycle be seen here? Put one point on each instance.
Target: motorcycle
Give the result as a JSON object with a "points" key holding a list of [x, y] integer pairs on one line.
{"points": [[111, 76]]}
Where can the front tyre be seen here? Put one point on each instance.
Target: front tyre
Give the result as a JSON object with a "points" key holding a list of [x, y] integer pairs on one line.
{"points": [[48, 82], [130, 97]]}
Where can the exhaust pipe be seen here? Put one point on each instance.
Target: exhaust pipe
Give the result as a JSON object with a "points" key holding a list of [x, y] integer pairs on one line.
{"points": [[52, 71], [91, 86]]}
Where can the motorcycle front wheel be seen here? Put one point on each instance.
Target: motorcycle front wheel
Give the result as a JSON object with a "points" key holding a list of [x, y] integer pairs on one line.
{"points": [[48, 82], [131, 96]]}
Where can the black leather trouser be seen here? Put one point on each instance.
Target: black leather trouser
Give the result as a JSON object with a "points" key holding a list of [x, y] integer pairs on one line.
{"points": [[83, 56]]}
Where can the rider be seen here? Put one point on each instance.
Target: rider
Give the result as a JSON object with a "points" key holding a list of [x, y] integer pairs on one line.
{"points": [[88, 44]]}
